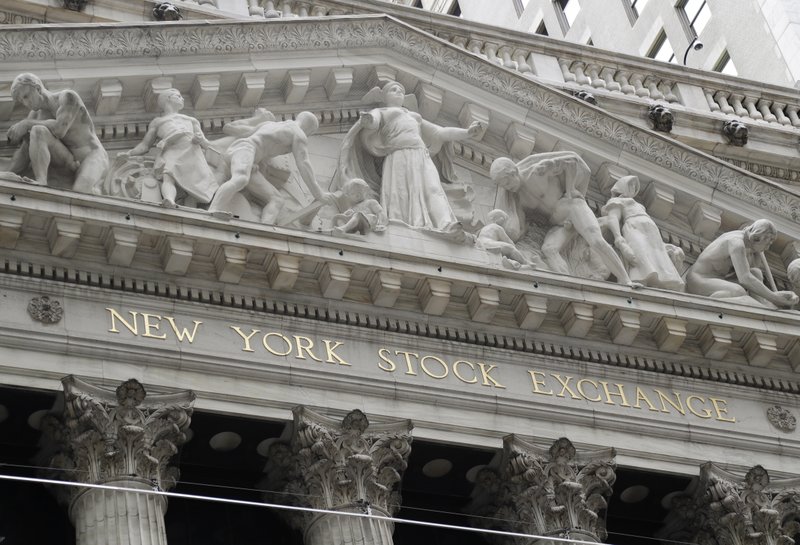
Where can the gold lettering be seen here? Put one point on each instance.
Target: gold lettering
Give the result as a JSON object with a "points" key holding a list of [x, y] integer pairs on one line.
{"points": [[565, 386], [245, 337], [383, 354], [115, 316], [487, 378], [428, 372], [265, 342], [719, 407], [183, 333], [331, 355], [407, 355], [620, 392], [664, 398], [304, 344], [148, 326], [706, 412], [458, 375], [640, 396], [580, 384], [536, 383]]}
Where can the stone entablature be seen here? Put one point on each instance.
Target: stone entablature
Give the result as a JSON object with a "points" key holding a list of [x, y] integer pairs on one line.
{"points": [[136, 237], [627, 320]]}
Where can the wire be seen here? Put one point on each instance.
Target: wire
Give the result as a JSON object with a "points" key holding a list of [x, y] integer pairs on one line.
{"points": [[371, 515], [291, 494]]}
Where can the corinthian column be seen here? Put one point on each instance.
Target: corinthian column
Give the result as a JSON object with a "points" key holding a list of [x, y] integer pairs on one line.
{"points": [[555, 492], [122, 438], [348, 466], [726, 509]]}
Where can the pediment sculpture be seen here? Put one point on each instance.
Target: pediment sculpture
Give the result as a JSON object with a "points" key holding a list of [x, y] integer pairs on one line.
{"points": [[391, 147], [57, 141], [394, 171]]}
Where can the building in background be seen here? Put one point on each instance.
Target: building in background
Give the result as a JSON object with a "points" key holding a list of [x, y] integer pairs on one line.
{"points": [[435, 373], [757, 40]]}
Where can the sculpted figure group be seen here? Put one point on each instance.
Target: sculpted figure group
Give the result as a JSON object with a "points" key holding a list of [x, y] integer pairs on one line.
{"points": [[394, 168]]}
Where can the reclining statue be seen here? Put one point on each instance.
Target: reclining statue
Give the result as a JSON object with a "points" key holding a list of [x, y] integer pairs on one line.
{"points": [[729, 268]]}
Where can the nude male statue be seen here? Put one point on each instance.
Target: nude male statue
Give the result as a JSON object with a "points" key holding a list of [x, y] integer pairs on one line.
{"points": [[261, 138], [726, 268], [59, 132], [555, 185]]}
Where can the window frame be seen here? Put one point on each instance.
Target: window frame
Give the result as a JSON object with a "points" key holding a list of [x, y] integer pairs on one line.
{"points": [[723, 61], [558, 6], [658, 43], [688, 23], [632, 10]]}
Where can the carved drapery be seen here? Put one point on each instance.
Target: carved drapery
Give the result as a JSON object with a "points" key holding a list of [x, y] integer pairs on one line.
{"points": [[726, 509], [348, 466], [547, 492], [122, 438]]}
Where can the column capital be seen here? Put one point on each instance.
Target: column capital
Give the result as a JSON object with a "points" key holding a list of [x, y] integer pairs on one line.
{"points": [[345, 465], [723, 508], [556, 491], [105, 435]]}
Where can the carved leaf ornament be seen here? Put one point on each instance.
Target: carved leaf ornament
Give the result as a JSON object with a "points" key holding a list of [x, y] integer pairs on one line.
{"points": [[106, 435]]}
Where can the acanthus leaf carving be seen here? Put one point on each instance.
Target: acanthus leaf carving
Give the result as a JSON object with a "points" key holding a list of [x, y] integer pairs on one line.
{"points": [[549, 492], [105, 435], [725, 509], [338, 465]]}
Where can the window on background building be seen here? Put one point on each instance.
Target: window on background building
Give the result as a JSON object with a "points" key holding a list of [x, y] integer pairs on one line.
{"points": [[589, 41], [567, 11], [661, 50], [725, 65], [541, 29], [695, 13], [455, 9], [417, 4], [634, 8], [520, 5]]}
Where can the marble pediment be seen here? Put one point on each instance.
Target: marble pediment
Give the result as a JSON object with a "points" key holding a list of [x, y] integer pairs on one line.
{"points": [[327, 66]]}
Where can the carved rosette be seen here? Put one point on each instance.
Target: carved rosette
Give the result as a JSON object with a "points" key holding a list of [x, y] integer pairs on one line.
{"points": [[45, 310], [555, 492], [123, 438], [782, 419], [349, 466], [725, 509]]}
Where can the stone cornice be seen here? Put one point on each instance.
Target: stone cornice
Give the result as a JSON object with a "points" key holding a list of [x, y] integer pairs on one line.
{"points": [[519, 303], [21, 44]]}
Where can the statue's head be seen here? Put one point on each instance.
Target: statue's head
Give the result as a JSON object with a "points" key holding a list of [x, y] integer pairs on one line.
{"points": [[29, 90], [308, 122], [504, 172], [171, 97], [497, 216], [356, 188], [394, 94], [626, 186], [760, 235]]}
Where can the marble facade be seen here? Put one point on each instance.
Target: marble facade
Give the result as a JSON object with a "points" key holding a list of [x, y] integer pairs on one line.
{"points": [[308, 287]]}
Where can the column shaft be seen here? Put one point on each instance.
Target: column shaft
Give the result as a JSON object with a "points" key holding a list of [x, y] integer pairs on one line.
{"points": [[111, 517]]}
